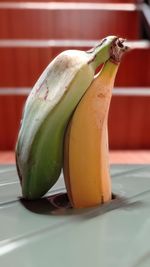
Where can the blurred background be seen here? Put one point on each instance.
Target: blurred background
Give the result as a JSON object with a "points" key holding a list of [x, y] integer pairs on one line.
{"points": [[33, 33]]}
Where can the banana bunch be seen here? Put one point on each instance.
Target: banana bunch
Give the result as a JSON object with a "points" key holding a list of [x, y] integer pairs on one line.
{"points": [[47, 112]]}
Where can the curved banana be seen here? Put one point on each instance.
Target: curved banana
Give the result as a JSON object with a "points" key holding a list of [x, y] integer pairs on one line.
{"points": [[86, 164], [39, 148]]}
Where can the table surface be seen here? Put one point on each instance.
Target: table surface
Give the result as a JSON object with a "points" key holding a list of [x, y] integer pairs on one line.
{"points": [[48, 232]]}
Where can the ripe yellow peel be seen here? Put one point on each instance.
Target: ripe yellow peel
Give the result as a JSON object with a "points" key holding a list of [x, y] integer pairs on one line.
{"points": [[86, 164]]}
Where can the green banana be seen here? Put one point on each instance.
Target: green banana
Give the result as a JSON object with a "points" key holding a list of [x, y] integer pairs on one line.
{"points": [[39, 148]]}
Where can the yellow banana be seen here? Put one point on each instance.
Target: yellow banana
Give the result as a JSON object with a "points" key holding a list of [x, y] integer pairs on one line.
{"points": [[86, 164]]}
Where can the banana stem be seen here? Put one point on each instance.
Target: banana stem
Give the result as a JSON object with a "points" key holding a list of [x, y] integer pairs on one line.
{"points": [[117, 50], [110, 48]]}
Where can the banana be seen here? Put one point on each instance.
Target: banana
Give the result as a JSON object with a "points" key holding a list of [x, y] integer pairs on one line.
{"points": [[39, 147], [86, 163]]}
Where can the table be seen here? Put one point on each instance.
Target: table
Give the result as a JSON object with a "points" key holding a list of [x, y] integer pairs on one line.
{"points": [[48, 232]]}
